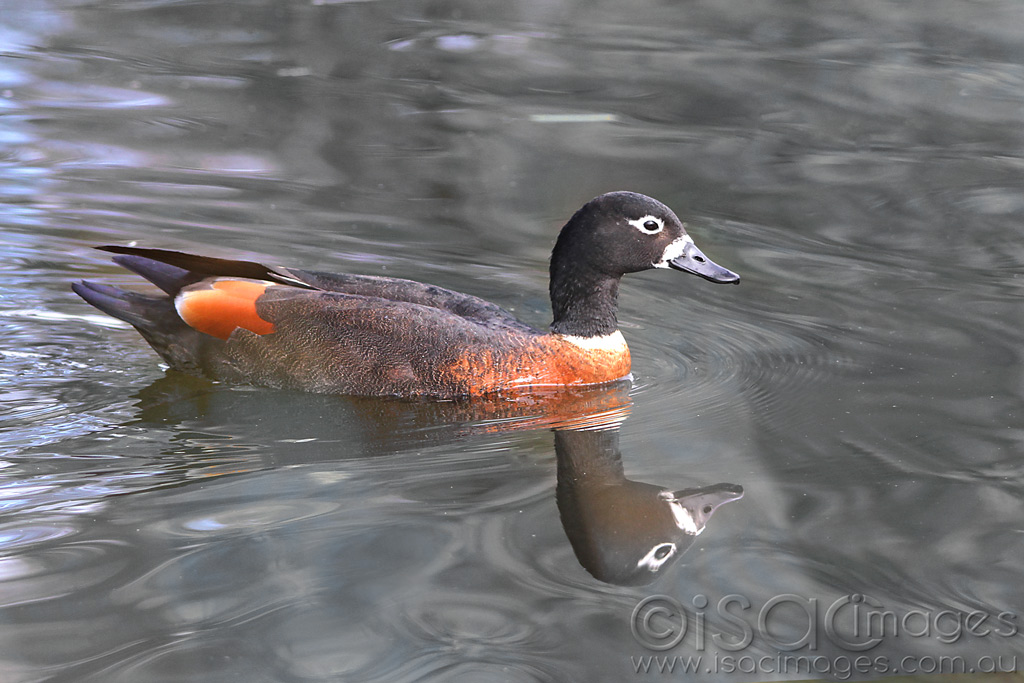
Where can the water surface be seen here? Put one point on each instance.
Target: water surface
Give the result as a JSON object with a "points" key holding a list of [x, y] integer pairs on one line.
{"points": [[860, 166]]}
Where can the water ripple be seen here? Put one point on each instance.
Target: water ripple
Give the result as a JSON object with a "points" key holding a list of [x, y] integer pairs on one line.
{"points": [[85, 97], [760, 361], [473, 634], [245, 519], [466, 623], [41, 574], [20, 536]]}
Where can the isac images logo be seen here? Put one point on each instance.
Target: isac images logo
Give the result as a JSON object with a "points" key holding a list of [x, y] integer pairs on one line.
{"points": [[801, 630]]}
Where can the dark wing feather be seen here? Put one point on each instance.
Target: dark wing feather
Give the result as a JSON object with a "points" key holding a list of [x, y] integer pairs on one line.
{"points": [[472, 308], [202, 267], [181, 269]]}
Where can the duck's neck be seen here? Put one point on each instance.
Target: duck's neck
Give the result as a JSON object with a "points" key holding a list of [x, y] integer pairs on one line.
{"points": [[584, 302]]}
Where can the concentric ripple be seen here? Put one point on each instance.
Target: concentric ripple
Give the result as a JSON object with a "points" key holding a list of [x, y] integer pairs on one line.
{"points": [[737, 358]]}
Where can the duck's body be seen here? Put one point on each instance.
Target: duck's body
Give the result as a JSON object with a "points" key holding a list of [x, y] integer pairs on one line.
{"points": [[243, 322]]}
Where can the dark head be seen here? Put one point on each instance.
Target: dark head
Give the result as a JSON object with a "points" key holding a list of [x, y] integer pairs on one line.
{"points": [[611, 235]]}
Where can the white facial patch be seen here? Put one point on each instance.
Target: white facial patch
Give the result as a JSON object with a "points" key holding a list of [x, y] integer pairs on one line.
{"points": [[657, 556], [674, 249], [683, 519], [648, 225]]}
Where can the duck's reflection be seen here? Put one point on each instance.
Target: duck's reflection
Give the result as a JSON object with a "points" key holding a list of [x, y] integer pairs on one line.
{"points": [[332, 427], [623, 531]]}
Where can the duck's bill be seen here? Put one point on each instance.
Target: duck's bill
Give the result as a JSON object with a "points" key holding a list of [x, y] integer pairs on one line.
{"points": [[694, 261], [703, 502]]}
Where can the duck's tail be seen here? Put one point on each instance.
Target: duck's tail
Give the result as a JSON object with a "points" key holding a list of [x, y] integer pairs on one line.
{"points": [[140, 310], [137, 310], [153, 316]]}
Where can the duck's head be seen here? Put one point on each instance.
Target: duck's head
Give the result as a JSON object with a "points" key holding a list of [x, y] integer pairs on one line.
{"points": [[611, 235], [626, 232]]}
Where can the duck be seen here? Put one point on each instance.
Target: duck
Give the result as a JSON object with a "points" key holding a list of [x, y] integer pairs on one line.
{"points": [[243, 322]]}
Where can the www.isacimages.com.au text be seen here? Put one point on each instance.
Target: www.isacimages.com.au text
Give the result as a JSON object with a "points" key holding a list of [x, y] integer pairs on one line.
{"points": [[841, 667]]}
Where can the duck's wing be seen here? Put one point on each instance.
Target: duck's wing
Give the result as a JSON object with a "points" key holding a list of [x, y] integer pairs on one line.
{"points": [[172, 271], [475, 309]]}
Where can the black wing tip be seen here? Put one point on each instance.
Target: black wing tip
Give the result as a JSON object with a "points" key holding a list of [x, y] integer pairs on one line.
{"points": [[198, 267], [155, 254], [114, 302]]}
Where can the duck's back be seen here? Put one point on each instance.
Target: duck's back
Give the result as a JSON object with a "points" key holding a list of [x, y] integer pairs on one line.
{"points": [[471, 308]]}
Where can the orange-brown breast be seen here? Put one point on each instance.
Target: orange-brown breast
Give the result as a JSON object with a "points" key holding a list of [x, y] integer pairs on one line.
{"points": [[220, 306], [543, 360]]}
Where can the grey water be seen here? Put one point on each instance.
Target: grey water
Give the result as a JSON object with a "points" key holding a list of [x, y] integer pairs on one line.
{"points": [[859, 164]]}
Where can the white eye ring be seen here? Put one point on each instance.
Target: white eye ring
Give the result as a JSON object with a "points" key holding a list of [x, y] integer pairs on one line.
{"points": [[648, 225]]}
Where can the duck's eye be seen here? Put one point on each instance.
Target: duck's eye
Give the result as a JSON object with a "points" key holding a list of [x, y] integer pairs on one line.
{"points": [[649, 225]]}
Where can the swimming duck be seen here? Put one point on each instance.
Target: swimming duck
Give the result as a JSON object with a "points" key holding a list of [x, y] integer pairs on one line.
{"points": [[240, 321]]}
